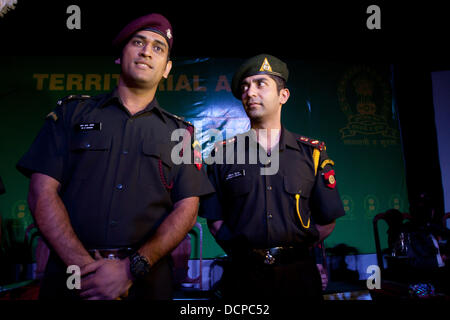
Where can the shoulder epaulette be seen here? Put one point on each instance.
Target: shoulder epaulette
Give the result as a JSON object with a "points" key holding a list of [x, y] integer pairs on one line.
{"points": [[52, 115], [220, 144], [312, 142], [226, 141], [176, 117], [72, 97]]}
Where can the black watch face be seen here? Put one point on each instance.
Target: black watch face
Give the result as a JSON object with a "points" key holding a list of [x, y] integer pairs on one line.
{"points": [[139, 266]]}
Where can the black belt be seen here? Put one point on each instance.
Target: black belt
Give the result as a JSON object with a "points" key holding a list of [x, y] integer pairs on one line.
{"points": [[113, 253], [275, 256]]}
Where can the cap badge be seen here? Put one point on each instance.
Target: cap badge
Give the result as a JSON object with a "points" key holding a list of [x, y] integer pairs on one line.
{"points": [[265, 66], [168, 34]]}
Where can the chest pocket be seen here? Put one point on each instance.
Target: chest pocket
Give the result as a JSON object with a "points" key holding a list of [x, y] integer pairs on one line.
{"points": [[88, 153], [299, 193], [238, 186], [235, 197], [156, 164]]}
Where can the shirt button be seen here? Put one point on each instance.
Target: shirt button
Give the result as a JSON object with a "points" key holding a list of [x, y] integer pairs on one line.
{"points": [[125, 151], [119, 186], [269, 188], [269, 216], [113, 223], [88, 145]]}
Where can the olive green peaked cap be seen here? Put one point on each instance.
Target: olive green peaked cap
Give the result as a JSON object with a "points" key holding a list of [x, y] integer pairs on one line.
{"points": [[260, 64]]}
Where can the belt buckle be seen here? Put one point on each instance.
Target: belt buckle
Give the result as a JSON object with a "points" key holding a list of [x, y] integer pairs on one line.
{"points": [[112, 256], [269, 258], [109, 254]]}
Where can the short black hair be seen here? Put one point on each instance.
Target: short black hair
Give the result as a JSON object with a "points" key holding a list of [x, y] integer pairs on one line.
{"points": [[281, 83]]}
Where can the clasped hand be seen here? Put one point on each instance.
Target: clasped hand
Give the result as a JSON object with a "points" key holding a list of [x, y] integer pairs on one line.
{"points": [[105, 279]]}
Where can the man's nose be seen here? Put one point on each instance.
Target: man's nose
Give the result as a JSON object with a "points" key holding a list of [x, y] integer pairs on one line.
{"points": [[251, 91], [146, 51]]}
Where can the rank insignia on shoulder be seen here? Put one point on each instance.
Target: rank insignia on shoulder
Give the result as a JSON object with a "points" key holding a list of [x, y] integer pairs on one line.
{"points": [[52, 115], [330, 179], [72, 97], [196, 144], [183, 120], [177, 117], [313, 142], [197, 155], [231, 140], [223, 143], [327, 162]]}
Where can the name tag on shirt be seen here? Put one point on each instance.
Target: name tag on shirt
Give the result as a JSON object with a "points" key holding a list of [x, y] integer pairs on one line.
{"points": [[88, 126], [236, 174]]}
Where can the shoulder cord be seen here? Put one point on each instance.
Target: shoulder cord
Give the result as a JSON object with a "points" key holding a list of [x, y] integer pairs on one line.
{"points": [[297, 198], [316, 156], [163, 179]]}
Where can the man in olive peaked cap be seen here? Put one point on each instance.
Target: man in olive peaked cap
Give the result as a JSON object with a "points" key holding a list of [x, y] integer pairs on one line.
{"points": [[268, 221], [258, 65]]}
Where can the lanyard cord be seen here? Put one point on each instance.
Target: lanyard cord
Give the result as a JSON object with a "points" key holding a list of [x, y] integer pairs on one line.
{"points": [[297, 198]]}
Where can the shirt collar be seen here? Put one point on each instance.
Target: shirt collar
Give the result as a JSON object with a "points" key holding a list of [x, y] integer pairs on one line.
{"points": [[114, 98], [288, 139]]}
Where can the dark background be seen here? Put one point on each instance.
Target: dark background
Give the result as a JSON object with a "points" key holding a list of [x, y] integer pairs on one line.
{"points": [[413, 38]]}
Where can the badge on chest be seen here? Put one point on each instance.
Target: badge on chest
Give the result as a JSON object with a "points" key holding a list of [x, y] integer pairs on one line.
{"points": [[90, 126], [234, 175]]}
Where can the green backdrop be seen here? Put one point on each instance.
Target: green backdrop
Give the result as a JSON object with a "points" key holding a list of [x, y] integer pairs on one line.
{"points": [[349, 106]]}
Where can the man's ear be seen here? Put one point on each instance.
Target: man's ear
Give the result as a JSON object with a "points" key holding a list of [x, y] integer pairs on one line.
{"points": [[167, 70], [284, 95]]}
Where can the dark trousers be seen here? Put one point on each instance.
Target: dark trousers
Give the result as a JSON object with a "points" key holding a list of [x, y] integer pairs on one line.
{"points": [[158, 285], [244, 281]]}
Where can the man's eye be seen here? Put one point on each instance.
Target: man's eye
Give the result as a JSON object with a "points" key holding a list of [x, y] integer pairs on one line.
{"points": [[138, 43], [158, 49], [244, 88], [261, 83]]}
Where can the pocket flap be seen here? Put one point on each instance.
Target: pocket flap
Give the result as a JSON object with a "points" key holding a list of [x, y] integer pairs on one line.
{"points": [[90, 141], [295, 186], [238, 186], [158, 150]]}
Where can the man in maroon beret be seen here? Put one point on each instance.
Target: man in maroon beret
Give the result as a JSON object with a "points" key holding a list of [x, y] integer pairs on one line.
{"points": [[104, 191], [153, 22]]}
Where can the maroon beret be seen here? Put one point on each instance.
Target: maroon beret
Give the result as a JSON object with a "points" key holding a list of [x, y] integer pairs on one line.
{"points": [[152, 22]]}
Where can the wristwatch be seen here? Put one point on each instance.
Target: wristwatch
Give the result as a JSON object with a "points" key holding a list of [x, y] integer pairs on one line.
{"points": [[139, 266]]}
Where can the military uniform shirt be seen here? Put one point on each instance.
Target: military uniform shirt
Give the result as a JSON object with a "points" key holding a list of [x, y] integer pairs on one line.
{"points": [[118, 181], [262, 211]]}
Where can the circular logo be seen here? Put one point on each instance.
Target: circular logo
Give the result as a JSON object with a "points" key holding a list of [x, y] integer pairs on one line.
{"points": [[371, 206], [396, 202], [19, 209], [348, 204], [331, 179]]}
